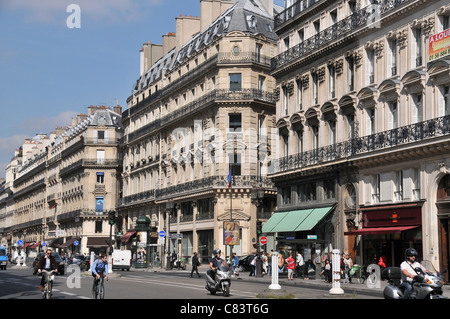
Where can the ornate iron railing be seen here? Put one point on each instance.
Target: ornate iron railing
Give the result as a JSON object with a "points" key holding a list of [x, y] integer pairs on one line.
{"points": [[364, 17], [345, 150]]}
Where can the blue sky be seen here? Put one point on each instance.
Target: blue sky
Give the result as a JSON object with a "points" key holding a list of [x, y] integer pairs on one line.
{"points": [[50, 72]]}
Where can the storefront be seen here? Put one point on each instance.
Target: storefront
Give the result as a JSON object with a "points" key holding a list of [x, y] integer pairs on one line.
{"points": [[387, 231], [307, 231]]}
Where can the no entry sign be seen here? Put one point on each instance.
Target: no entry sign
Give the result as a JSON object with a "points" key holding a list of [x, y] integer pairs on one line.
{"points": [[263, 240]]}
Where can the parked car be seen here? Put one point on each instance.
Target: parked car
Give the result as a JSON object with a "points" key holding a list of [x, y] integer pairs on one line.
{"points": [[244, 263], [61, 264], [76, 259]]}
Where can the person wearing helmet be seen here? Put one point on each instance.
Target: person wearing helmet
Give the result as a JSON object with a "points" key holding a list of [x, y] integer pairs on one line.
{"points": [[408, 271], [214, 262]]}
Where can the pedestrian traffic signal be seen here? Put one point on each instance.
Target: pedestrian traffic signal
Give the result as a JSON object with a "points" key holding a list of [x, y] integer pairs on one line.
{"points": [[259, 227], [112, 218]]}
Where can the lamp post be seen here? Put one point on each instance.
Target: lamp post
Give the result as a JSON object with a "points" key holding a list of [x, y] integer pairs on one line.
{"points": [[257, 199], [169, 208]]}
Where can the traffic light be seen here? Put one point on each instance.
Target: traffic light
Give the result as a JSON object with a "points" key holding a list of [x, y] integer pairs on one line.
{"points": [[112, 217], [259, 227]]}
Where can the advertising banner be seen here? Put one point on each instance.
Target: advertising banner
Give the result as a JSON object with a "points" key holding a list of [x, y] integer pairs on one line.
{"points": [[231, 233], [439, 45]]}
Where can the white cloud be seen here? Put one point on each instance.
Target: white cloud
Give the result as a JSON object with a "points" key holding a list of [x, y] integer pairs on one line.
{"points": [[45, 125], [51, 11]]}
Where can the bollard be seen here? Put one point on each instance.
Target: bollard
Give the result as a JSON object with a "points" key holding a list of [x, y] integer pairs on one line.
{"points": [[274, 284], [336, 271]]}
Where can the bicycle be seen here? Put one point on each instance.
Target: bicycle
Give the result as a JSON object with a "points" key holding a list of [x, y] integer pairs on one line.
{"points": [[48, 285], [99, 291]]}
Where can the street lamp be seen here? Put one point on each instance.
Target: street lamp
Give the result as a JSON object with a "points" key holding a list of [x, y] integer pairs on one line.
{"points": [[257, 199], [169, 208]]}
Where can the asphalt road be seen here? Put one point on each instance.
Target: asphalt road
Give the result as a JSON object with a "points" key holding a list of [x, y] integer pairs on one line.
{"points": [[163, 285]]}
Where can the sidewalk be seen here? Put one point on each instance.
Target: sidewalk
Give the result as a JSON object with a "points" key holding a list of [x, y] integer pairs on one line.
{"points": [[297, 282]]}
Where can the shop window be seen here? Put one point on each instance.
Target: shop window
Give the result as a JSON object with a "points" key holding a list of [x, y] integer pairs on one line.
{"points": [[286, 195], [444, 188]]}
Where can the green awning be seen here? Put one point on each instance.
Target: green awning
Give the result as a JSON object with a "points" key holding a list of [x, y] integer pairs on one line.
{"points": [[295, 220], [272, 222], [316, 216], [292, 220]]}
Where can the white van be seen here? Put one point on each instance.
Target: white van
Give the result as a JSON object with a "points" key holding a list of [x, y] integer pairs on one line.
{"points": [[121, 259]]}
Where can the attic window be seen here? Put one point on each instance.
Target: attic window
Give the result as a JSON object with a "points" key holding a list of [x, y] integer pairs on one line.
{"points": [[251, 21], [269, 28]]}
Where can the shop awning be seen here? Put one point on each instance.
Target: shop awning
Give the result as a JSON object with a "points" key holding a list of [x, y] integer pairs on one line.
{"points": [[55, 242], [97, 242], [127, 236], [26, 245], [35, 245], [295, 220], [68, 243], [380, 230]]}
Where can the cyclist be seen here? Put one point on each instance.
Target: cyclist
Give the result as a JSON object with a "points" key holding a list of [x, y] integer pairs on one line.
{"points": [[99, 267], [48, 263]]}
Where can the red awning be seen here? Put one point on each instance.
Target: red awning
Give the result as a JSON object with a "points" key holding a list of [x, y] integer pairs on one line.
{"points": [[127, 236], [26, 245], [380, 230], [35, 245]]}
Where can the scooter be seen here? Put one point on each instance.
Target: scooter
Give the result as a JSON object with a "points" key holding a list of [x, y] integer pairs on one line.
{"points": [[426, 285], [221, 280]]}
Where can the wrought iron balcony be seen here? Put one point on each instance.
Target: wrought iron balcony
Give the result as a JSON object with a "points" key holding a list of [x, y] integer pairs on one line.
{"points": [[296, 9], [344, 27], [345, 150]]}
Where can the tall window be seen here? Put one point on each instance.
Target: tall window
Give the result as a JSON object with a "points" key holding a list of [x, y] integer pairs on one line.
{"points": [[315, 88], [416, 48], [370, 121], [417, 108], [235, 82], [393, 116], [332, 81], [444, 100], [300, 94], [286, 194], [350, 126], [315, 137], [399, 186], [285, 145], [370, 66], [392, 57], [300, 141], [235, 122], [258, 52], [332, 132], [261, 81], [100, 156], [285, 100], [376, 189], [350, 74]]}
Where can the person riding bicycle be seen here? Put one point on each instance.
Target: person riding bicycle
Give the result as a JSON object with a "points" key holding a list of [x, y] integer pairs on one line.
{"points": [[48, 263], [99, 267]]}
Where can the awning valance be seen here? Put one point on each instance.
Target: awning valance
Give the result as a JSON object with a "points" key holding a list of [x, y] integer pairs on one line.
{"points": [[97, 242], [68, 243], [380, 230], [127, 236], [295, 220], [35, 245]]}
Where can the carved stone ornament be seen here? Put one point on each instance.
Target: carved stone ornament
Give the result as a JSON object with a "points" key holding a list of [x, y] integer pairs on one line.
{"points": [[276, 93], [428, 26], [339, 66], [305, 81], [402, 38], [321, 74], [290, 87]]}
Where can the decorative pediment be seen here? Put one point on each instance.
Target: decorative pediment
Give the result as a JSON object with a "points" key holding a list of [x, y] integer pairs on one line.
{"points": [[312, 116], [238, 214], [297, 121], [389, 89], [439, 71], [282, 126], [367, 96], [414, 80], [329, 110]]}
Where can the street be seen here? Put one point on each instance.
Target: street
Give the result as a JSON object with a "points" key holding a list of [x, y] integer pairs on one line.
{"points": [[176, 284]]}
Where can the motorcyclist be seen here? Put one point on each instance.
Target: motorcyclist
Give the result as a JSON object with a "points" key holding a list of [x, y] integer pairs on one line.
{"points": [[214, 263], [408, 273]]}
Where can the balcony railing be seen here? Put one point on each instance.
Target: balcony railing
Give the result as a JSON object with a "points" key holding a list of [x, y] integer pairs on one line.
{"points": [[297, 8], [346, 26], [198, 104], [400, 136]]}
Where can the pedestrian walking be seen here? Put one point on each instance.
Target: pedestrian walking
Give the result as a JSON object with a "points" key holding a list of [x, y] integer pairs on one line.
{"points": [[252, 261], [300, 264], [235, 264], [290, 267], [348, 262], [326, 271], [195, 264]]}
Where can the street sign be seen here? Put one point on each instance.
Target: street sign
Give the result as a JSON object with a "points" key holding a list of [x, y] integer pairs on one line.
{"points": [[175, 236], [263, 240], [43, 244], [311, 236], [162, 233], [76, 243], [20, 242]]}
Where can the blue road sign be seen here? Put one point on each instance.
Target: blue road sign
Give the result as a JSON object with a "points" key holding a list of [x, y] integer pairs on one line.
{"points": [[20, 242], [43, 244], [162, 233], [76, 243]]}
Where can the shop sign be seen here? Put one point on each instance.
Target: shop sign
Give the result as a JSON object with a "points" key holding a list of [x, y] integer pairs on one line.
{"points": [[311, 236]]}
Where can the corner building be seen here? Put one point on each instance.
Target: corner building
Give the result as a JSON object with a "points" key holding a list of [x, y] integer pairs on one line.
{"points": [[363, 119], [201, 111]]}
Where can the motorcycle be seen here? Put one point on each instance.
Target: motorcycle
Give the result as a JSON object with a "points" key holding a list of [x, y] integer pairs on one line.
{"points": [[426, 285], [221, 280]]}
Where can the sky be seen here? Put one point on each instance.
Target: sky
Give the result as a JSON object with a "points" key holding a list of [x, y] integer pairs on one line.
{"points": [[57, 57]]}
